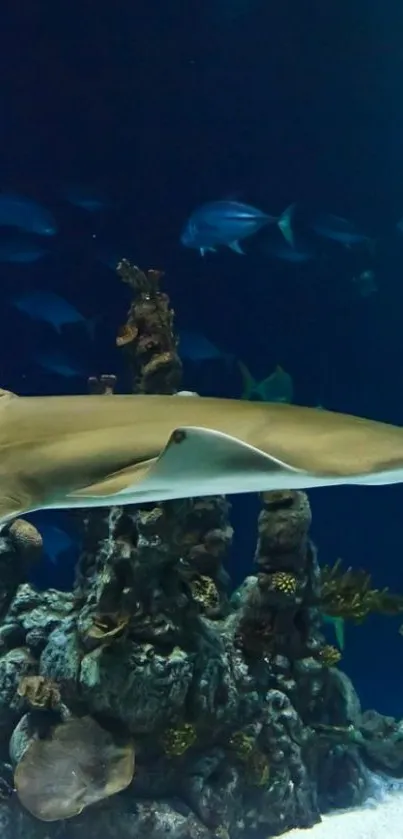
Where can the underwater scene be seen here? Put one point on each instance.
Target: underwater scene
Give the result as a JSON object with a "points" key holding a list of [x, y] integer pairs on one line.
{"points": [[201, 420]]}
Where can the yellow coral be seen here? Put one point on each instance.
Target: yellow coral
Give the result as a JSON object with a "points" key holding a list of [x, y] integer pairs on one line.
{"points": [[39, 692], [107, 627], [242, 744], [257, 768], [176, 741], [329, 656], [204, 591], [285, 582]]}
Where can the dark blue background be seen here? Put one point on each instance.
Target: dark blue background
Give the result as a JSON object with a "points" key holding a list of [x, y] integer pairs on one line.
{"points": [[168, 104]]}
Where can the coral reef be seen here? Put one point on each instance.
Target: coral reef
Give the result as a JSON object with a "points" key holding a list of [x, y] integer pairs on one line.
{"points": [[241, 724], [349, 594]]}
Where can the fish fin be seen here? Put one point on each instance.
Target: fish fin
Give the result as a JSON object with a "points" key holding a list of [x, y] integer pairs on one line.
{"points": [[248, 382], [115, 483], [12, 506], [203, 251], [235, 246], [195, 461], [285, 224], [196, 457]]}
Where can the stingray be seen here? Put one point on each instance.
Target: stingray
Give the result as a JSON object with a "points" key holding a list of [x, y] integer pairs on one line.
{"points": [[92, 451]]}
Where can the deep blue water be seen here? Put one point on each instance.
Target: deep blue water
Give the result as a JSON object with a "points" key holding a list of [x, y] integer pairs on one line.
{"points": [[165, 105]]}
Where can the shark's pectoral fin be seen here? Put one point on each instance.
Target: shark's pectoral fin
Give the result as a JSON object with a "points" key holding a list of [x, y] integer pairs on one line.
{"points": [[13, 504]]}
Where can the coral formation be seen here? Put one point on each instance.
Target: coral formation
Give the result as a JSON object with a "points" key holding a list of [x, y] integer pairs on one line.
{"points": [[148, 335], [242, 725], [176, 741], [348, 594], [39, 692]]}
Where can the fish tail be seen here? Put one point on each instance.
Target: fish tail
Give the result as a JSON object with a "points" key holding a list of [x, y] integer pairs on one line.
{"points": [[285, 224], [248, 382]]}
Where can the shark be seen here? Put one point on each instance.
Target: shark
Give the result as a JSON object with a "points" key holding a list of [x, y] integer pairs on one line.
{"points": [[94, 451]]}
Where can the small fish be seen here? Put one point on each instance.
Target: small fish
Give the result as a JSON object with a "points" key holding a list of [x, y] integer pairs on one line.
{"points": [[60, 364], [50, 308], [278, 387], [17, 250], [339, 229], [194, 346], [26, 214], [338, 625], [366, 283], [281, 250], [55, 541], [86, 198], [226, 223]]}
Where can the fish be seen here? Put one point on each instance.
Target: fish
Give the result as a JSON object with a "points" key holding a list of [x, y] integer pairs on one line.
{"points": [[278, 387], [21, 249], [226, 223], [55, 541], [365, 283], [284, 251], [52, 309], [86, 198], [339, 229], [196, 347], [26, 214], [62, 365], [63, 452]]}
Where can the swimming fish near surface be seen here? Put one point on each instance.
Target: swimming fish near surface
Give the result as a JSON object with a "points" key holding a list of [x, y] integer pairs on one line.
{"points": [[26, 214], [221, 223], [48, 307], [88, 451]]}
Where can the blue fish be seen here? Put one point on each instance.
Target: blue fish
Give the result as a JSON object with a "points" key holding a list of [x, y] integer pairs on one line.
{"points": [[52, 309], [86, 198], [26, 214], [339, 229], [365, 283], [21, 251], [55, 541], [57, 362], [226, 223], [283, 251], [195, 347]]}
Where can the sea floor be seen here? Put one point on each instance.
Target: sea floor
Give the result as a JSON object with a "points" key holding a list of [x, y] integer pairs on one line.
{"points": [[379, 818]]}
